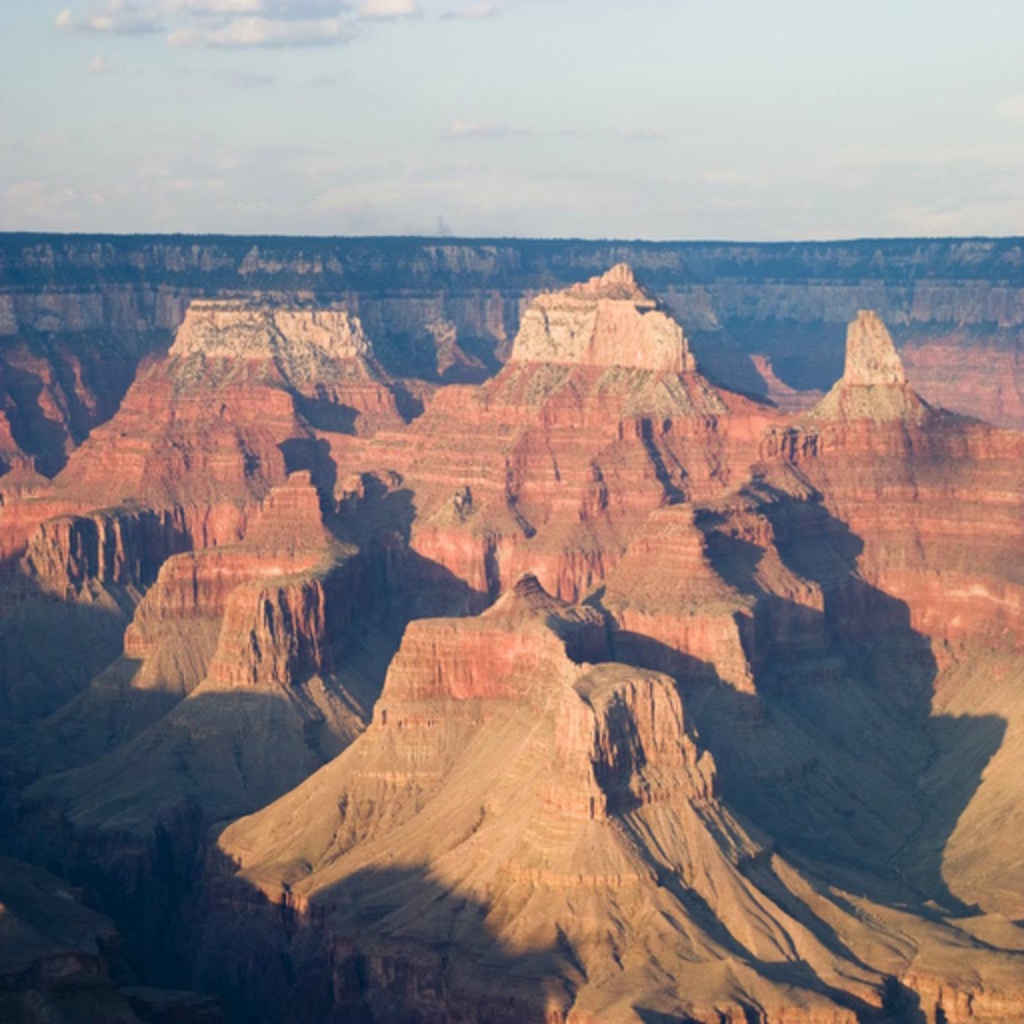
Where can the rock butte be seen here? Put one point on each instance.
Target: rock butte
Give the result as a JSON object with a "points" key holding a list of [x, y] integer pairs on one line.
{"points": [[594, 692], [608, 321]]}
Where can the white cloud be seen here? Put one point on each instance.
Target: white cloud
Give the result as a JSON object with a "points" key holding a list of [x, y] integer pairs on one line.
{"points": [[230, 23], [268, 32], [383, 9], [216, 6], [100, 66], [121, 17], [282, 9], [481, 130], [475, 11]]}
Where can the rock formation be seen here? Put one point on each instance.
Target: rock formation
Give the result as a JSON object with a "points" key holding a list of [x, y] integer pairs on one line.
{"points": [[568, 453], [870, 355], [591, 692], [873, 385], [77, 314], [516, 816], [608, 321]]}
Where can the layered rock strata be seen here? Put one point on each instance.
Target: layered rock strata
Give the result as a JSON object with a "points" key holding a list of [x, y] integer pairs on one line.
{"points": [[599, 418], [747, 778], [519, 835]]}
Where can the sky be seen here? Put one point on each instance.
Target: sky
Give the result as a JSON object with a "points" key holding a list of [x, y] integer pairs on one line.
{"points": [[655, 119]]}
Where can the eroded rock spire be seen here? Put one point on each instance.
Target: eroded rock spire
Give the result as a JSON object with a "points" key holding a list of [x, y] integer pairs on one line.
{"points": [[871, 357], [874, 384]]}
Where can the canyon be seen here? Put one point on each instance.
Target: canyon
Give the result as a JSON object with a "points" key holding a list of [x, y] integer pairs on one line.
{"points": [[518, 631], [79, 313]]}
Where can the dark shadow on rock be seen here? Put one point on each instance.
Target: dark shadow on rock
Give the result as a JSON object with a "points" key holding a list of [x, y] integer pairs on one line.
{"points": [[110, 712], [828, 755], [51, 648], [406, 354], [901, 1005], [331, 417], [45, 439], [408, 404], [672, 493], [313, 455], [384, 946], [380, 509]]}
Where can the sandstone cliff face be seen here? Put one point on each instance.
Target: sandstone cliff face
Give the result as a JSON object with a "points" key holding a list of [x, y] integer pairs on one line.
{"points": [[607, 321], [125, 547]]}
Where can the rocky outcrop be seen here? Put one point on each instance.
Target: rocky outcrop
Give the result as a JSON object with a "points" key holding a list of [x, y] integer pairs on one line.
{"points": [[540, 818], [568, 454], [870, 354], [252, 330], [608, 321], [125, 547], [873, 386], [194, 590]]}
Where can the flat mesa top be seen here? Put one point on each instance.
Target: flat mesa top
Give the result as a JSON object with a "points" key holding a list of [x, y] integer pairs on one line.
{"points": [[241, 328]]}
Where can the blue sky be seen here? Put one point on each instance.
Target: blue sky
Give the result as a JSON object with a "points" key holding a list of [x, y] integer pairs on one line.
{"points": [[651, 119]]}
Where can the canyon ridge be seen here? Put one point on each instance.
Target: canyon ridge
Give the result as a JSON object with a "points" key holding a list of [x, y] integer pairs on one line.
{"points": [[407, 630]]}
